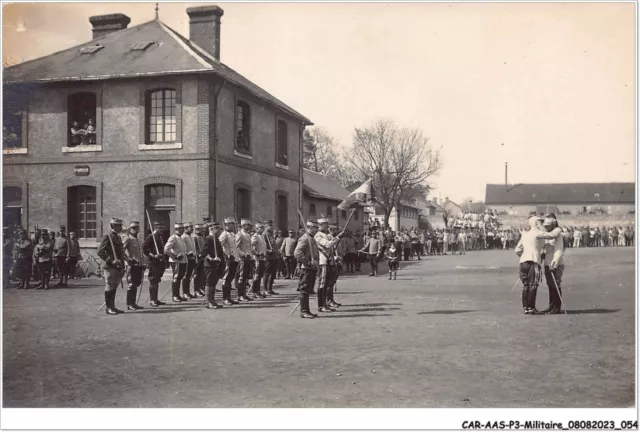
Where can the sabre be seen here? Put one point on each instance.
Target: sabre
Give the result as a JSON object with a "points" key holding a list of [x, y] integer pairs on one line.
{"points": [[296, 307], [155, 244], [514, 287]]}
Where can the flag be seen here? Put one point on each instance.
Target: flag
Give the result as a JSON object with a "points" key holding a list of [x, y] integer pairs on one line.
{"points": [[362, 195]]}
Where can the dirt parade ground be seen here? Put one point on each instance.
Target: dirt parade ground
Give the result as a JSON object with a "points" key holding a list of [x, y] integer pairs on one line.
{"points": [[448, 333]]}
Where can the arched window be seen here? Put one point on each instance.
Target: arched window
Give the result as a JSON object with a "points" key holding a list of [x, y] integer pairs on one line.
{"points": [[312, 209], [161, 124], [81, 118], [243, 127], [82, 214], [329, 212], [160, 204]]}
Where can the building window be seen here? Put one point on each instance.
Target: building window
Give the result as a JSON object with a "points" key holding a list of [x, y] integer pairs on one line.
{"points": [[243, 127], [12, 206], [329, 212], [282, 211], [312, 209], [161, 195], [243, 203], [355, 214], [81, 119], [161, 116], [13, 110], [82, 211], [282, 149], [343, 214]]}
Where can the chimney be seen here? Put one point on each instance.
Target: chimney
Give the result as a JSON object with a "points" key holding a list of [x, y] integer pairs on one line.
{"points": [[105, 24], [204, 28]]}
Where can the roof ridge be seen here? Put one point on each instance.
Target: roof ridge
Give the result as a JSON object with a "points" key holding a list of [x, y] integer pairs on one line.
{"points": [[78, 46]]}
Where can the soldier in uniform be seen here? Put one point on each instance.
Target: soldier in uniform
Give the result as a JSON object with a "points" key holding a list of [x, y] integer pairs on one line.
{"points": [[73, 254], [192, 261], [135, 264], [153, 249], [61, 251], [553, 265], [287, 249], [111, 251], [23, 257], [231, 254], [43, 253], [349, 246], [306, 254], [259, 248], [335, 273], [243, 244], [199, 276], [176, 250], [213, 267], [358, 243], [327, 263], [273, 260]]}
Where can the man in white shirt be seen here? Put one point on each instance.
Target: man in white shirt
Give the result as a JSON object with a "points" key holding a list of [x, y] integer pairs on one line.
{"points": [[259, 248], [176, 250], [231, 254], [462, 242], [529, 249]]}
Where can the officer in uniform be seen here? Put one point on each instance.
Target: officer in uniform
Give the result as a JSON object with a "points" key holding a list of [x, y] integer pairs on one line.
{"points": [[213, 267], [553, 264], [307, 255], [111, 251], [23, 251], [259, 248], [198, 242], [153, 249], [43, 253], [327, 262], [243, 244], [288, 247], [192, 261], [331, 284], [176, 250], [273, 259], [61, 251], [231, 254], [135, 264]]}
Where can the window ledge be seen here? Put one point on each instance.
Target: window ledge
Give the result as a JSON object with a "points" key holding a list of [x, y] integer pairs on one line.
{"points": [[11, 151], [82, 149], [242, 155], [88, 243], [168, 146], [284, 167]]}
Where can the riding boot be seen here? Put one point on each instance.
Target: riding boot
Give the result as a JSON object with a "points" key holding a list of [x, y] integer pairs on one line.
{"points": [[304, 306], [113, 301], [525, 300], [175, 292], [532, 299], [226, 292], [210, 295], [110, 310], [131, 299]]}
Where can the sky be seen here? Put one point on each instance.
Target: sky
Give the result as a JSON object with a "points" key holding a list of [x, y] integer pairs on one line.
{"points": [[547, 87]]}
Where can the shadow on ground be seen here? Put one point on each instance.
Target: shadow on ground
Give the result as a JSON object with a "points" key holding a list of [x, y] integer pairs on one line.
{"points": [[446, 312]]}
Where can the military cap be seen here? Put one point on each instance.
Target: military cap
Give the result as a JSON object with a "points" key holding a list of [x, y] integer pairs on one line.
{"points": [[259, 225], [311, 224], [188, 224], [245, 222], [292, 231], [115, 221], [230, 220], [323, 220], [198, 226], [134, 224], [268, 223], [63, 228], [214, 225], [157, 223], [333, 226], [178, 225]]}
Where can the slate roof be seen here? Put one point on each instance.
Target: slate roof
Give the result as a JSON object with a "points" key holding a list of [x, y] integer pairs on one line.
{"points": [[561, 193], [169, 54], [320, 186]]}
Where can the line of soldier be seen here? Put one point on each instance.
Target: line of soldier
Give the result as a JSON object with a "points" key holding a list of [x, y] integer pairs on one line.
{"points": [[249, 259], [37, 257]]}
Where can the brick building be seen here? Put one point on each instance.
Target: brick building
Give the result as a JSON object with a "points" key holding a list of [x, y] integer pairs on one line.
{"points": [[562, 198], [322, 196], [142, 118]]}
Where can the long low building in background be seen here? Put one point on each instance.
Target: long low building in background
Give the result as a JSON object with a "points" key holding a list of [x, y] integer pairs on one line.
{"points": [[615, 199]]}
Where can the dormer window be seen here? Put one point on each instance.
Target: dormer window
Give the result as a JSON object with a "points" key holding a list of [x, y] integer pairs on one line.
{"points": [[90, 49], [141, 46]]}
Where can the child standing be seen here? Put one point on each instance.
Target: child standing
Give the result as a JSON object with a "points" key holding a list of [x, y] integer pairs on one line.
{"points": [[392, 256]]}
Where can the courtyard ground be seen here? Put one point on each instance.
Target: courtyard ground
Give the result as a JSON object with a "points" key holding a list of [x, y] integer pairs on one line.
{"points": [[448, 333]]}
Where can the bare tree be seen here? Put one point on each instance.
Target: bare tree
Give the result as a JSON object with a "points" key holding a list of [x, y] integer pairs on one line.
{"points": [[397, 159], [321, 154]]}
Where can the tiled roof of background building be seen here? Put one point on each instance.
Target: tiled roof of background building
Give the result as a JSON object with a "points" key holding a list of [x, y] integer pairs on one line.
{"points": [[561, 193]]}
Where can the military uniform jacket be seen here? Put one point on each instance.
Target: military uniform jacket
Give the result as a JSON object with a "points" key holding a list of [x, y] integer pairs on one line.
{"points": [[212, 248], [229, 244], [288, 246], [326, 246], [133, 250], [554, 250], [105, 251], [149, 246], [243, 243], [259, 246], [190, 246], [61, 246], [306, 251], [23, 249], [198, 243], [273, 252]]}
